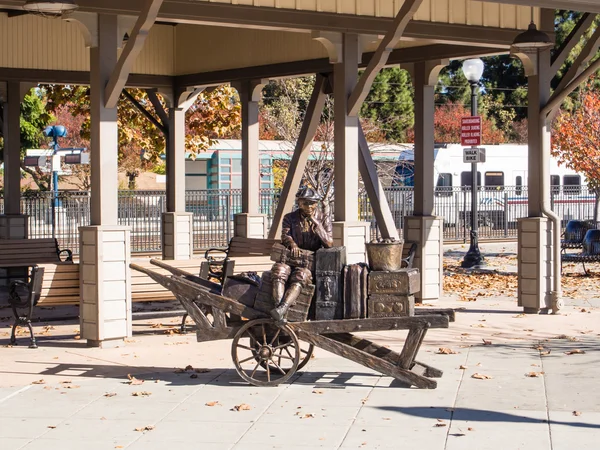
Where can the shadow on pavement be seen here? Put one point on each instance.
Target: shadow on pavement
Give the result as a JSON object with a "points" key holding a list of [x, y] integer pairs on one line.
{"points": [[480, 415]]}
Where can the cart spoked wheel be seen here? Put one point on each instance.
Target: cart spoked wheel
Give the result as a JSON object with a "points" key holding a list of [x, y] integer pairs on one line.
{"points": [[306, 351], [265, 354]]}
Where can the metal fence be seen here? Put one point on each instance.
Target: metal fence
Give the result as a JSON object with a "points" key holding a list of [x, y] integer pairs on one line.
{"points": [[213, 212]]}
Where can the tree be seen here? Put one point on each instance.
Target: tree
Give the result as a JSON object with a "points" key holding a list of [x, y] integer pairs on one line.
{"points": [[34, 118], [214, 115], [447, 124], [576, 140]]}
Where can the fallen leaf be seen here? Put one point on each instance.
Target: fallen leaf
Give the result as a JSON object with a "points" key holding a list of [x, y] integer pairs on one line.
{"points": [[189, 367], [134, 381], [65, 382], [141, 394], [441, 425], [241, 407], [486, 342], [545, 353], [51, 426], [534, 374], [575, 352], [583, 310], [576, 413], [463, 367], [445, 351], [146, 428], [317, 391], [215, 403], [201, 370], [42, 381], [519, 316], [71, 386], [110, 394], [308, 416], [481, 376], [470, 429], [194, 375]]}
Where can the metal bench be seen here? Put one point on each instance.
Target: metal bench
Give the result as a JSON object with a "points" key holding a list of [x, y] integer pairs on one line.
{"points": [[590, 252], [574, 233]]}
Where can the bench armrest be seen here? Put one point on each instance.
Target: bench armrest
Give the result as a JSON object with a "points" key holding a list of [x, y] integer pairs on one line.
{"points": [[14, 298], [208, 254], [66, 254], [411, 256]]}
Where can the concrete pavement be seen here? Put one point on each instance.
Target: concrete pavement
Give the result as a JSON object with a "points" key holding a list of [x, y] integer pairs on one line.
{"points": [[535, 390]]}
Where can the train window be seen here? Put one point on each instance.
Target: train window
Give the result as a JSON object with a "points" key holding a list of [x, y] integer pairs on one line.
{"points": [[572, 184], [465, 180], [554, 184], [494, 181], [443, 187], [519, 185]]}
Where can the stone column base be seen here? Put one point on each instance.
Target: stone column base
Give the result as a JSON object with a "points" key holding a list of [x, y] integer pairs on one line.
{"points": [[427, 232], [177, 235], [14, 226], [105, 284], [353, 236], [534, 264], [250, 225]]}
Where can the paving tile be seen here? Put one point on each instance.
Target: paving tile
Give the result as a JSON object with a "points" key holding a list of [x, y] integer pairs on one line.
{"points": [[399, 415], [246, 446], [25, 428], [289, 415], [75, 444], [408, 434], [134, 408], [195, 433], [483, 430], [162, 445], [567, 429], [310, 434], [121, 430], [14, 443]]}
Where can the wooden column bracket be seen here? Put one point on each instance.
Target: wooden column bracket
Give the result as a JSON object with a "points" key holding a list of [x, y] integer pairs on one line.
{"points": [[379, 203], [379, 59], [301, 154], [134, 46], [572, 40]]}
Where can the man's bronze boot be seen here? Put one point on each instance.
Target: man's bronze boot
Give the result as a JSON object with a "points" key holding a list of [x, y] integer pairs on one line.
{"points": [[278, 291], [291, 295]]}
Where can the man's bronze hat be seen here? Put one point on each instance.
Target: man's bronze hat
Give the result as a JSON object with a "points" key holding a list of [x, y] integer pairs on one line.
{"points": [[307, 193]]}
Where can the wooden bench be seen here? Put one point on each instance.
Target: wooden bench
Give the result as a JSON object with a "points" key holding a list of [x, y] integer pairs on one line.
{"points": [[25, 253], [220, 263]]}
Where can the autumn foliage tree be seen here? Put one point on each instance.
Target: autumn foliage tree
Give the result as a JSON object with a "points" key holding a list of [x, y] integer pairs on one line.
{"points": [[576, 140], [447, 123]]}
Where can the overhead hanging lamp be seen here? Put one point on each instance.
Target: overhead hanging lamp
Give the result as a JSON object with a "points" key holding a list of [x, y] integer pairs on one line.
{"points": [[50, 8], [532, 38]]}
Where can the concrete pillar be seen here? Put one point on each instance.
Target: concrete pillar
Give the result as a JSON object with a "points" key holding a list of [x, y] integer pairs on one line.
{"points": [[177, 225], [424, 228], [105, 253], [347, 230], [13, 224], [250, 223], [535, 257]]}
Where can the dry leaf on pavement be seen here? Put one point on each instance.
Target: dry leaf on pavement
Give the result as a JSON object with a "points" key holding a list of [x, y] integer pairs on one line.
{"points": [[481, 376], [576, 413], [575, 352], [215, 403], [486, 342], [445, 351], [141, 394], [317, 391], [534, 374], [42, 381], [463, 367], [241, 407], [146, 428], [110, 394], [134, 381]]}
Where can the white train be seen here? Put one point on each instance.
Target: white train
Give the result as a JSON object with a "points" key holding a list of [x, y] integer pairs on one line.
{"points": [[502, 181]]}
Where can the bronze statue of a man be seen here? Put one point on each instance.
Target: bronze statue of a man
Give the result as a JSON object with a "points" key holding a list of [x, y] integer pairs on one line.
{"points": [[307, 228]]}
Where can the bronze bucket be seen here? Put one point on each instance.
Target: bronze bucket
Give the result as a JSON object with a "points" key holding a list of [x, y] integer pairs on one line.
{"points": [[385, 257]]}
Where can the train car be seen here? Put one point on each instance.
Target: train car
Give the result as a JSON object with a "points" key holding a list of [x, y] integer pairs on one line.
{"points": [[502, 182]]}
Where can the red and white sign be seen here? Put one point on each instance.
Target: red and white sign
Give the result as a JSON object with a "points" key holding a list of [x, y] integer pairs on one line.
{"points": [[470, 131]]}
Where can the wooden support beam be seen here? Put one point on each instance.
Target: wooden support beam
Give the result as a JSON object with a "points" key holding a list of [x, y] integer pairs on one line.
{"points": [[301, 154], [588, 52], [379, 203], [386, 46], [572, 40], [134, 46], [158, 106], [145, 112]]}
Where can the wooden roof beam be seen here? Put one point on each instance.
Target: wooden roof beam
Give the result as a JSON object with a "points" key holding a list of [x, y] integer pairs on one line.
{"points": [[379, 59], [134, 46]]}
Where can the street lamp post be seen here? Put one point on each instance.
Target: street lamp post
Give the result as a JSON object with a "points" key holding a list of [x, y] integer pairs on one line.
{"points": [[55, 132], [473, 70]]}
